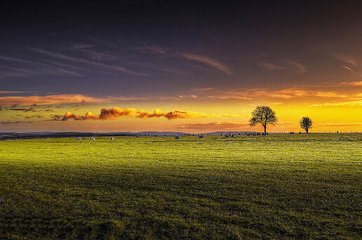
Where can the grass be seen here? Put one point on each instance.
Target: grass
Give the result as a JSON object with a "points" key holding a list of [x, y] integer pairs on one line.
{"points": [[279, 187]]}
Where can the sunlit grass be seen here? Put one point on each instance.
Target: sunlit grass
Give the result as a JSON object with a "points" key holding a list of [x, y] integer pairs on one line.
{"points": [[293, 186]]}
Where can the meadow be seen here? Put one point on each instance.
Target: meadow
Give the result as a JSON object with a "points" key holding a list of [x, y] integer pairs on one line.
{"points": [[276, 187]]}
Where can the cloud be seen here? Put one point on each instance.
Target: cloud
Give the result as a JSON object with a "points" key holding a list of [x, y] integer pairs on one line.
{"points": [[12, 92], [18, 60], [178, 114], [116, 112], [81, 46], [346, 59], [202, 90], [107, 67], [353, 84], [347, 68], [211, 62], [49, 99], [81, 98], [87, 116], [344, 103], [276, 64], [32, 68], [300, 68], [99, 56], [271, 66], [154, 50], [283, 94]]}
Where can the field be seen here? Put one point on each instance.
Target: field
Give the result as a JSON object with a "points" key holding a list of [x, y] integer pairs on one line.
{"points": [[276, 187]]}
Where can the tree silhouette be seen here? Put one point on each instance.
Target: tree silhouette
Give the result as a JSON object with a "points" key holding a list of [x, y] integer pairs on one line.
{"points": [[306, 123], [263, 115]]}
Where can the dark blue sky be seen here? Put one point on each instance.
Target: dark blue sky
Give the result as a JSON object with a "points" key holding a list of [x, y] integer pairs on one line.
{"points": [[150, 47]]}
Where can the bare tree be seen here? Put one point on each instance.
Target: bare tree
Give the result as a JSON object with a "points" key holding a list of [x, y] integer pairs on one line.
{"points": [[306, 123], [263, 115]]}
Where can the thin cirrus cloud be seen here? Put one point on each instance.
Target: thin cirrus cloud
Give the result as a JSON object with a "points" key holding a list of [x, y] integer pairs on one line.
{"points": [[154, 50], [348, 59], [29, 68], [102, 66], [116, 112], [275, 64], [210, 62]]}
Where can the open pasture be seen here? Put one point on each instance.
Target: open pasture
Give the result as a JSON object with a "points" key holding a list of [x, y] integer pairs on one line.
{"points": [[279, 186]]}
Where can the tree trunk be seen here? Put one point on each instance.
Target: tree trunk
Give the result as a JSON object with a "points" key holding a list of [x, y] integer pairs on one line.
{"points": [[306, 130], [264, 130]]}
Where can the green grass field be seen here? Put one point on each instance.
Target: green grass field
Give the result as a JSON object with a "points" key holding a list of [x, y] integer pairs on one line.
{"points": [[278, 187]]}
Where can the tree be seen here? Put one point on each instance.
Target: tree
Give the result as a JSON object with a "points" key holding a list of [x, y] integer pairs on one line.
{"points": [[263, 115], [306, 123]]}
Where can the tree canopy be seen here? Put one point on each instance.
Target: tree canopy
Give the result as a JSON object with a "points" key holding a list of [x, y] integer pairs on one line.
{"points": [[306, 123], [263, 115]]}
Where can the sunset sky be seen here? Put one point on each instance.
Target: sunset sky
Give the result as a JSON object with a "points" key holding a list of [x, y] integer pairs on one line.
{"points": [[190, 67]]}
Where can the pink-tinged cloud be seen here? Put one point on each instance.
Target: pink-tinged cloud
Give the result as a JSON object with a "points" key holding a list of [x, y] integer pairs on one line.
{"points": [[211, 62], [353, 84], [282, 94], [116, 112], [49, 99], [11, 92]]}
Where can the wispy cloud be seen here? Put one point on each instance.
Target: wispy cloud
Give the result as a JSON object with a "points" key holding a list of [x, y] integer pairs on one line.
{"points": [[202, 90], [276, 64], [48, 99], [154, 50], [18, 60], [347, 68], [300, 68], [116, 112], [81, 98], [211, 62], [99, 56], [348, 59], [12, 92], [342, 103], [30, 68], [279, 95], [81, 46], [353, 84], [108, 67], [270, 66]]}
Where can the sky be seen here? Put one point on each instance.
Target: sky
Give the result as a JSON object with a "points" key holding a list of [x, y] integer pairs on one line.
{"points": [[186, 66]]}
